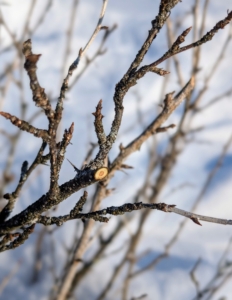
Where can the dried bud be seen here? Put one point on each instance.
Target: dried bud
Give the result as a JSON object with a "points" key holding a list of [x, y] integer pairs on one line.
{"points": [[33, 58]]}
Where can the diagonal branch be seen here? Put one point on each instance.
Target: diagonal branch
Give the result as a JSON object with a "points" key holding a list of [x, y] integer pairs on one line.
{"points": [[25, 173], [25, 126], [169, 107], [176, 49], [157, 24], [128, 81], [74, 65], [19, 240]]}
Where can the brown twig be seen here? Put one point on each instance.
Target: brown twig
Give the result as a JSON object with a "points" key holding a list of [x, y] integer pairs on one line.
{"points": [[25, 126], [25, 173]]}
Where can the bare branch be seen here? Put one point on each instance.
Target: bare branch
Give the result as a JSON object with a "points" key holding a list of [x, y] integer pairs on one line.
{"points": [[25, 173], [39, 95], [74, 65], [98, 124], [25, 126]]}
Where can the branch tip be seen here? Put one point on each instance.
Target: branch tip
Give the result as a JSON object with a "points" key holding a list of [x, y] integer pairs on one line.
{"points": [[80, 52]]}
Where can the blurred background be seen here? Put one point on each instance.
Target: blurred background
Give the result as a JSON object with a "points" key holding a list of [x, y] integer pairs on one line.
{"points": [[144, 254]]}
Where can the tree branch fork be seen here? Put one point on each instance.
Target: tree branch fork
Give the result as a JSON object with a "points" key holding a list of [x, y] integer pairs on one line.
{"points": [[95, 170]]}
